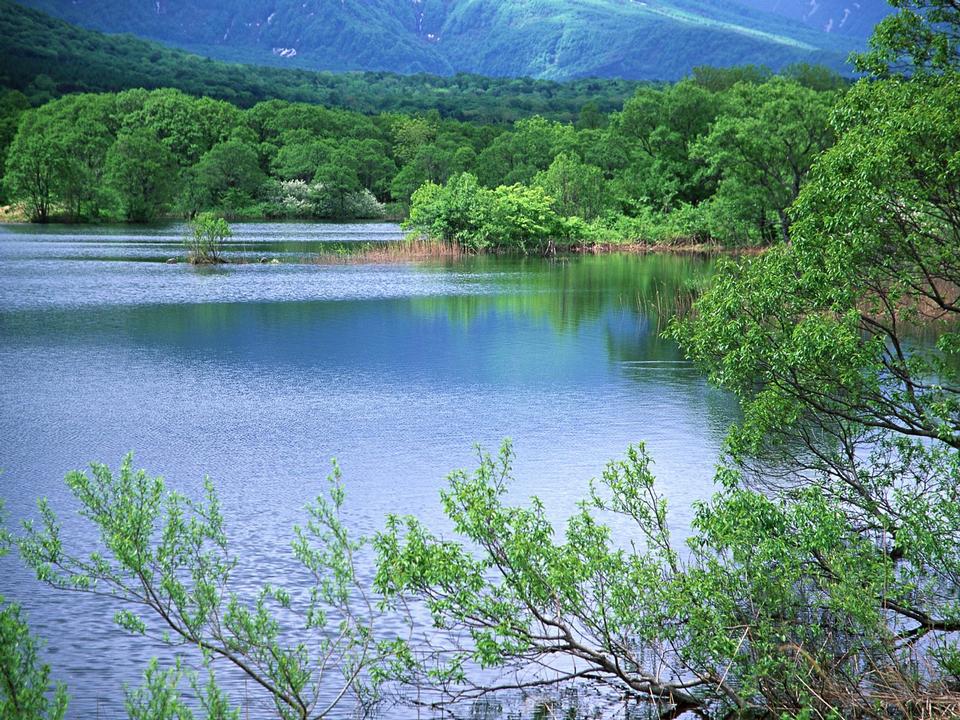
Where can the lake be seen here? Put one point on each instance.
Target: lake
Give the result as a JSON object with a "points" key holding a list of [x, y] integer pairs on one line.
{"points": [[259, 374]]}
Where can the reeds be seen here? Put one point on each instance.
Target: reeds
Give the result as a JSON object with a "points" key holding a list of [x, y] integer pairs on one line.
{"points": [[409, 250]]}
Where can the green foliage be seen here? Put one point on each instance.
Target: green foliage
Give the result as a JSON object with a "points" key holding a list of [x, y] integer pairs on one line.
{"points": [[874, 251], [577, 188], [37, 163], [159, 698], [140, 171], [657, 131], [680, 163], [762, 147], [844, 404], [12, 105], [25, 690], [228, 176], [204, 243], [822, 580], [745, 622], [923, 37], [166, 560], [514, 217]]}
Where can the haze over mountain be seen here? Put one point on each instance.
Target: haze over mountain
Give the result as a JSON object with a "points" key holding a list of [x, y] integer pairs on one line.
{"points": [[841, 17], [555, 39]]}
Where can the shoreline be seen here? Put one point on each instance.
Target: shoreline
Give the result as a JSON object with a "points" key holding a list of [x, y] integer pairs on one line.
{"points": [[421, 249]]}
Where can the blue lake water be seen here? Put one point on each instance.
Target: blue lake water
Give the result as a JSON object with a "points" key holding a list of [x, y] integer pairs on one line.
{"points": [[259, 374]]}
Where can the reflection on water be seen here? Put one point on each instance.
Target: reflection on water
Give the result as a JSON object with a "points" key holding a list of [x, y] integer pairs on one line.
{"points": [[258, 375]]}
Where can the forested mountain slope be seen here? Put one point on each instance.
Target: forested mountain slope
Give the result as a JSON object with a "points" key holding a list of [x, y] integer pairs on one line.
{"points": [[44, 58], [654, 39]]}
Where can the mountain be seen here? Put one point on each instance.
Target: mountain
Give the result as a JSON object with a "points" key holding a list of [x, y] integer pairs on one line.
{"points": [[554, 39], [44, 57]]}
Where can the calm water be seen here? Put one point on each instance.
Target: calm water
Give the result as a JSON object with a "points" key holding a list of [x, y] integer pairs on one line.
{"points": [[258, 375]]}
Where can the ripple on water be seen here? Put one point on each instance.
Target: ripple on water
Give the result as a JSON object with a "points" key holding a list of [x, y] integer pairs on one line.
{"points": [[259, 375]]}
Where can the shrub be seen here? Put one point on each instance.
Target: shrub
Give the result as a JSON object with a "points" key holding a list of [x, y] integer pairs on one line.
{"points": [[205, 240]]}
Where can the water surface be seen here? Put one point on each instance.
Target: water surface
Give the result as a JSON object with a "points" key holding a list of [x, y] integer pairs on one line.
{"points": [[258, 375]]}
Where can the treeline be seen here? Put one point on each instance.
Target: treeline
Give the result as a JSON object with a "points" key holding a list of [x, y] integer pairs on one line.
{"points": [[139, 155], [45, 58], [720, 156]]}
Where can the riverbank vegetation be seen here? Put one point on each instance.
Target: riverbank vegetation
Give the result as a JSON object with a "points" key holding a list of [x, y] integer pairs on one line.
{"points": [[718, 157], [822, 579]]}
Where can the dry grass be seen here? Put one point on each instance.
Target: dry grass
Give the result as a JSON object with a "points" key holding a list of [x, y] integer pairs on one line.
{"points": [[404, 251], [418, 249], [13, 214]]}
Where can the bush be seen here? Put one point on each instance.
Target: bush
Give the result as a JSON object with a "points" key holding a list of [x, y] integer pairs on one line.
{"points": [[514, 217], [205, 241], [300, 199]]}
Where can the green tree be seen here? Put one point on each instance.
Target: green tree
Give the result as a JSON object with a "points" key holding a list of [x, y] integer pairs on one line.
{"points": [[658, 129], [12, 105], [436, 162], [188, 126], [822, 581], [208, 231], [159, 697], [375, 169], [340, 179], [458, 212], [300, 155], [576, 188], [923, 37], [35, 166], [227, 176], [409, 135], [590, 117], [84, 125], [517, 156], [823, 342], [165, 559], [514, 217], [141, 172], [762, 147], [25, 689]]}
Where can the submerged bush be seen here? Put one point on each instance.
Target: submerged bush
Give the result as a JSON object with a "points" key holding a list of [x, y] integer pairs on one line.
{"points": [[205, 239]]}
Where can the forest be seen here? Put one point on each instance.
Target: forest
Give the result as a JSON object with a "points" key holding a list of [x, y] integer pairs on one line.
{"points": [[718, 157]]}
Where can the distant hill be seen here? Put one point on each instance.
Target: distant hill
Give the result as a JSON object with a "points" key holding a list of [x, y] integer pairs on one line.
{"points": [[553, 39], [45, 57]]}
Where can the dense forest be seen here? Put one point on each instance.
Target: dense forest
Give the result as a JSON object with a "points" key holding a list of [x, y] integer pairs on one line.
{"points": [[45, 58], [719, 156]]}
